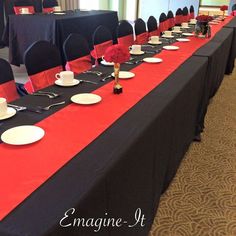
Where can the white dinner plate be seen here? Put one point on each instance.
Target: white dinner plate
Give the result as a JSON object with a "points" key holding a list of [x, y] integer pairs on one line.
{"points": [[188, 34], [125, 75], [152, 60], [137, 53], [86, 98], [172, 48], [192, 23], [59, 82], [182, 40], [105, 63], [59, 13], [167, 36], [155, 43], [10, 112], [22, 135]]}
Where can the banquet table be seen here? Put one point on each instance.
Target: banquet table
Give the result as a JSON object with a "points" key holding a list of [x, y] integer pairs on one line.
{"points": [[126, 166], [23, 30]]}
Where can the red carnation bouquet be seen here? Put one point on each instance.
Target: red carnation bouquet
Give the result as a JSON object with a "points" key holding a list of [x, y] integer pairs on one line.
{"points": [[224, 8], [204, 18], [117, 54]]}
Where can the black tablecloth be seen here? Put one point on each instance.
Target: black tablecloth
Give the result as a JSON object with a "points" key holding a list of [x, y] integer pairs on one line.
{"points": [[232, 55], [217, 51], [1, 22], [23, 30]]}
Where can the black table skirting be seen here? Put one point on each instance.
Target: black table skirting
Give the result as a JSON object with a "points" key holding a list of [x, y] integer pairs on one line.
{"points": [[1, 22]]}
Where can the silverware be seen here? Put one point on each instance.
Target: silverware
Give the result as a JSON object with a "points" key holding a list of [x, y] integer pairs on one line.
{"points": [[52, 105], [148, 45], [17, 108], [150, 52], [43, 94], [87, 81], [50, 93], [98, 73], [133, 62], [106, 78]]}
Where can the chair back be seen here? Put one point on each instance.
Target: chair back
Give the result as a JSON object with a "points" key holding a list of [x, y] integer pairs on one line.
{"points": [[179, 16], [77, 53], [48, 5], [125, 33], [42, 61], [19, 4], [102, 39], [171, 19], [163, 23], [8, 88], [191, 12], [141, 33], [185, 14], [153, 29]]}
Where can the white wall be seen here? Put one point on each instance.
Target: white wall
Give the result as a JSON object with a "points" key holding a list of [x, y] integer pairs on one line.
{"points": [[156, 7]]}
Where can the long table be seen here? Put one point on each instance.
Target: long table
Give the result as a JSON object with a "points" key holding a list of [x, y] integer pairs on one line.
{"points": [[128, 165], [23, 30]]}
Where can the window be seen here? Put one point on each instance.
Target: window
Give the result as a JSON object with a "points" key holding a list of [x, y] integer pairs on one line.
{"points": [[89, 4]]}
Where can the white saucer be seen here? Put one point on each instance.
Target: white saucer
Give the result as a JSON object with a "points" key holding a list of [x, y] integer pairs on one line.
{"points": [[10, 112], [59, 13], [192, 23], [168, 36], [155, 43], [177, 31], [172, 48], [105, 63], [59, 82], [125, 75], [152, 60], [188, 34], [182, 40], [86, 98], [213, 23], [137, 53], [22, 135], [186, 27], [26, 13]]}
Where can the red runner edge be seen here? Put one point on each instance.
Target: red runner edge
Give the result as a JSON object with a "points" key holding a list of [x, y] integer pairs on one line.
{"points": [[25, 168]]}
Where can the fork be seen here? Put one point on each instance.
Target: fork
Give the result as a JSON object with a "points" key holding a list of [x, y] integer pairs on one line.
{"points": [[87, 81], [98, 73], [55, 104], [50, 93], [43, 94]]}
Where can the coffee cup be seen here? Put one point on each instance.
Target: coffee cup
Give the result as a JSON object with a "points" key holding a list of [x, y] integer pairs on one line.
{"points": [[3, 106], [176, 28], [184, 24], [168, 33], [193, 21], [154, 39], [57, 8], [135, 49], [24, 10], [66, 77]]}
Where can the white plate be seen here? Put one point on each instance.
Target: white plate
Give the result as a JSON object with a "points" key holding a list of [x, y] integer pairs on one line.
{"points": [[188, 34], [171, 47], [182, 40], [105, 63], [10, 112], [125, 75], [75, 82], [86, 98], [156, 43], [59, 13], [192, 23], [167, 36], [186, 27], [22, 135], [137, 53], [152, 60], [177, 31]]}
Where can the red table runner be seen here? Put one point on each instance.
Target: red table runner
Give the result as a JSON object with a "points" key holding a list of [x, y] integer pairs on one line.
{"points": [[68, 131]]}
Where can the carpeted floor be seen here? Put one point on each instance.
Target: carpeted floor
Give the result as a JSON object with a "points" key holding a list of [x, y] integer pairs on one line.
{"points": [[202, 198]]}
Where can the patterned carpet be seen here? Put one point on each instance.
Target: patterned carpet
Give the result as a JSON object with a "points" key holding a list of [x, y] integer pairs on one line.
{"points": [[202, 198]]}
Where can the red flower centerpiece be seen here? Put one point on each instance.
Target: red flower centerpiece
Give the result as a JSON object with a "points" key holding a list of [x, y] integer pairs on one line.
{"points": [[117, 54], [224, 8], [202, 28]]}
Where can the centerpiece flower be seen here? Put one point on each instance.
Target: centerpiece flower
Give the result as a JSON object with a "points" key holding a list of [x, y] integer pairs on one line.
{"points": [[202, 26], [223, 9], [117, 54]]}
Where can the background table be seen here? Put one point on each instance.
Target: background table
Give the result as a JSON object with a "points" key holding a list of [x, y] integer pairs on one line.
{"points": [[1, 22], [23, 30]]}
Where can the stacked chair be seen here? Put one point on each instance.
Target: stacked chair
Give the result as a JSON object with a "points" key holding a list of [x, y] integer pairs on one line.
{"points": [[42, 61], [102, 39], [77, 54], [153, 29], [141, 33], [125, 33], [8, 87], [48, 5], [19, 4]]}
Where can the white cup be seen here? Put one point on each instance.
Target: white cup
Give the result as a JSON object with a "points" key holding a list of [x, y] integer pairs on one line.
{"points": [[57, 8], [154, 39], [3, 106], [168, 33], [184, 24], [135, 48], [176, 28], [66, 77], [194, 21], [24, 10]]}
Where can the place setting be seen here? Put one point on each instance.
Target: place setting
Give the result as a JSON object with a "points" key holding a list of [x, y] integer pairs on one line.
{"points": [[5, 111], [154, 40], [136, 50]]}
